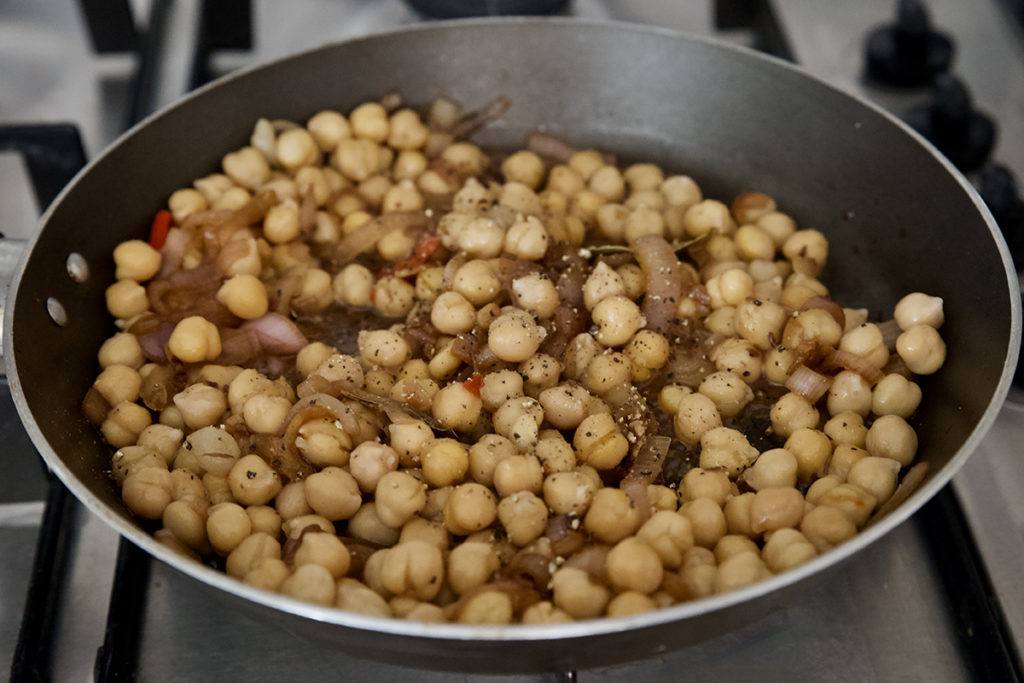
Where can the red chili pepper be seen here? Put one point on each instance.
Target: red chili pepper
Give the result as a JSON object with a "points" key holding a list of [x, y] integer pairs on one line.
{"points": [[373, 295], [474, 383], [158, 231], [419, 257]]}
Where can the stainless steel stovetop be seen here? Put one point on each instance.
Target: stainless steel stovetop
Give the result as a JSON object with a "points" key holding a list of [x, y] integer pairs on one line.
{"points": [[896, 612]]}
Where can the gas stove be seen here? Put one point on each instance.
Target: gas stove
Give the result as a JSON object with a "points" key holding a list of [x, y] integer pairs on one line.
{"points": [[937, 599]]}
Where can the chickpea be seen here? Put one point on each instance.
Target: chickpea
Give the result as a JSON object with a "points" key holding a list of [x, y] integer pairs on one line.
{"points": [[367, 525], [201, 405], [793, 412], [738, 356], [633, 565], [922, 349], [517, 473], [696, 415], [610, 371], [253, 481], [536, 294], [564, 405], [728, 391], [355, 596], [393, 297], [617, 319], [786, 549], [194, 340], [264, 414], [599, 442], [382, 348], [843, 458], [147, 492], [918, 308], [827, 527], [733, 544], [761, 322], [776, 508], [310, 583], [470, 565], [877, 476], [812, 449], [670, 534], [121, 349], [124, 423], [726, 448], [527, 239], [227, 526], [895, 395], [611, 516], [524, 167], [740, 570], [773, 469], [737, 514], [333, 493], [470, 507], [568, 492], [126, 298], [706, 519], [499, 387], [576, 594], [847, 427], [247, 167], [702, 483], [369, 461], [809, 245], [524, 517], [250, 554], [476, 282], [856, 503], [456, 407], [555, 453], [891, 437], [850, 392], [514, 336]]}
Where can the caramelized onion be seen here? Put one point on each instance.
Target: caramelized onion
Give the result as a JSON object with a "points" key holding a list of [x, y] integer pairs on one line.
{"points": [[154, 343], [549, 147], [646, 467], [808, 383], [664, 280], [365, 238], [851, 361], [592, 560], [313, 407], [477, 119], [890, 330], [825, 303]]}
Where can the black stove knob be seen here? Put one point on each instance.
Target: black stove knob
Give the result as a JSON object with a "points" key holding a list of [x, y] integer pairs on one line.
{"points": [[951, 123], [450, 9], [907, 53]]}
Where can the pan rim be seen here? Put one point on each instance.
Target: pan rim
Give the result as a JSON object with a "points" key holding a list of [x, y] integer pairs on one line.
{"points": [[521, 632]]}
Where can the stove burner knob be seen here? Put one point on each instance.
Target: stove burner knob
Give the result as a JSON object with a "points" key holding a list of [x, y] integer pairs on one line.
{"points": [[951, 123], [908, 53], [450, 9]]}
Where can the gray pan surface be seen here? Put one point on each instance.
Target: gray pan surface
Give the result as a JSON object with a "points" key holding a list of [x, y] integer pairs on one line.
{"points": [[898, 218]]}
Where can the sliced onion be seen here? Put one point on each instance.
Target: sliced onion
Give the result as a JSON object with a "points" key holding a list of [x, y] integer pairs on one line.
{"points": [[565, 535], [278, 335], [807, 383], [365, 238], [911, 480], [549, 147], [664, 280], [307, 213], [851, 361], [825, 303], [172, 251], [316, 406], [479, 118], [529, 565], [238, 346], [153, 344]]}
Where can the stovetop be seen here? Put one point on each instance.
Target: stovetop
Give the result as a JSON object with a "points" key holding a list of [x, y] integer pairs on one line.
{"points": [[937, 599]]}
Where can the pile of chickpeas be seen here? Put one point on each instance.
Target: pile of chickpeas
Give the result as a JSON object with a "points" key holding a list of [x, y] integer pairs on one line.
{"points": [[428, 503]]}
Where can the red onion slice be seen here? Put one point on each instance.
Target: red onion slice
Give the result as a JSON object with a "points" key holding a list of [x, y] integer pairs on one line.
{"points": [[278, 335], [664, 280]]}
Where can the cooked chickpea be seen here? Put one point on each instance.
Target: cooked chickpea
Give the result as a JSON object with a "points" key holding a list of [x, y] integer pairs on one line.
{"points": [[826, 527], [918, 308], [609, 371], [499, 387], [565, 405], [633, 565], [895, 395], [702, 483], [369, 461], [617, 319], [843, 458], [393, 296], [599, 442], [253, 481], [850, 392], [264, 414], [793, 412], [772, 469], [578, 595], [922, 349], [527, 239], [707, 521], [352, 286], [524, 516], [333, 493], [726, 448], [846, 427], [518, 473], [514, 336], [706, 216], [247, 167], [456, 407], [761, 322], [852, 500], [194, 339], [536, 294], [891, 437], [126, 298], [148, 491], [812, 449], [740, 570], [611, 516], [476, 282], [807, 245], [124, 423], [877, 476], [728, 391], [470, 507], [776, 508]]}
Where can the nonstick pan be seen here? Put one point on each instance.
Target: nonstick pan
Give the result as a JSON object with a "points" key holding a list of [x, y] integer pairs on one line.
{"points": [[898, 216]]}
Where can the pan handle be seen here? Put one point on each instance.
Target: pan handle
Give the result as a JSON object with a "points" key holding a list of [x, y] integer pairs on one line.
{"points": [[11, 251]]}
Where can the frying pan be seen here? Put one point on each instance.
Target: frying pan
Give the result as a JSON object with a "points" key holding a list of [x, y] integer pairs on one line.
{"points": [[899, 218]]}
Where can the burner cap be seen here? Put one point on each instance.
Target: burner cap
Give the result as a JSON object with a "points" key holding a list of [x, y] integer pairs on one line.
{"points": [[907, 53]]}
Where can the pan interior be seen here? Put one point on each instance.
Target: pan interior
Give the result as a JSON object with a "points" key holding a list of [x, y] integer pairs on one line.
{"points": [[896, 218]]}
